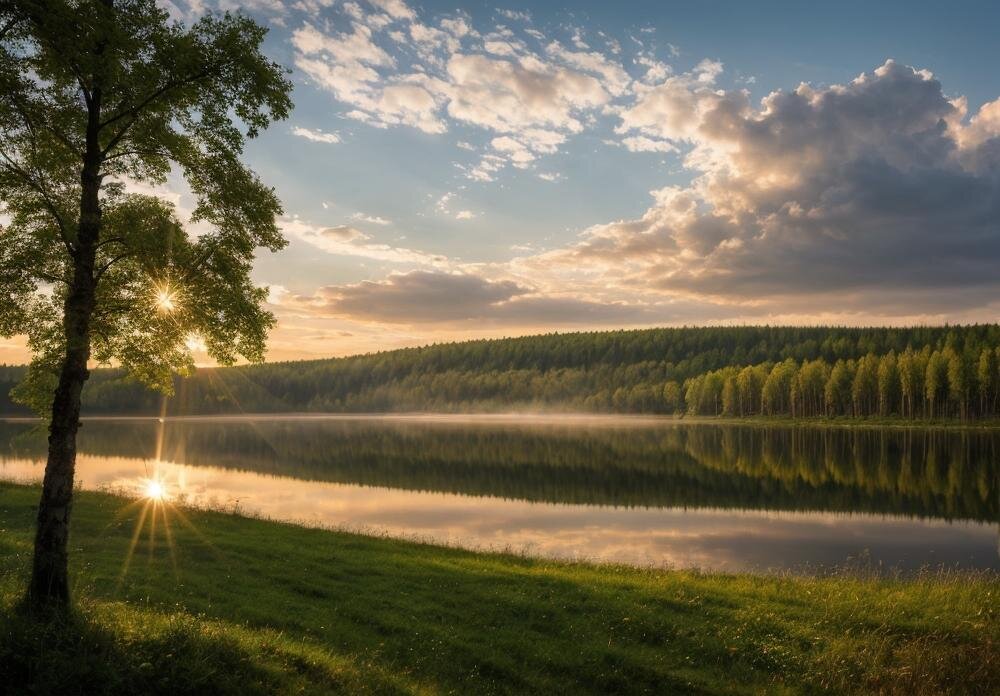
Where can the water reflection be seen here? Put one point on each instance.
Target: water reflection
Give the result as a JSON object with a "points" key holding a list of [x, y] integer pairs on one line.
{"points": [[718, 497]]}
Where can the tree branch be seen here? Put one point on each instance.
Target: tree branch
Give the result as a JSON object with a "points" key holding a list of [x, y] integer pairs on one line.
{"points": [[171, 84], [135, 110], [100, 271], [49, 205], [200, 261], [32, 127], [127, 153], [112, 240]]}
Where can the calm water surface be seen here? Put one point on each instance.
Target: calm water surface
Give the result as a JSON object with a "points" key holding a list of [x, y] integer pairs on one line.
{"points": [[640, 491]]}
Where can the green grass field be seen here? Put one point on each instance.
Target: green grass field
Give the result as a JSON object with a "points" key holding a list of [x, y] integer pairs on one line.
{"points": [[226, 604]]}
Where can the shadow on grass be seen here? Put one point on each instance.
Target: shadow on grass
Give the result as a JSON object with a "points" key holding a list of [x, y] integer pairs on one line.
{"points": [[114, 649]]}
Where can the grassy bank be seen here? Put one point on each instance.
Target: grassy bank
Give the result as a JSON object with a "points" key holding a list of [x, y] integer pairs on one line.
{"points": [[236, 605]]}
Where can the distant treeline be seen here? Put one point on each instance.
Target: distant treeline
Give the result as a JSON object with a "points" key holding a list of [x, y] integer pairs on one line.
{"points": [[797, 371], [948, 383]]}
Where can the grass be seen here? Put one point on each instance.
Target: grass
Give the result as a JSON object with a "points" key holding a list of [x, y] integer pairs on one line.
{"points": [[250, 606]]}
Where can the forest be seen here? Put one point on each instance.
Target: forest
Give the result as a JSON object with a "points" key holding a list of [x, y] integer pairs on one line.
{"points": [[911, 373]]}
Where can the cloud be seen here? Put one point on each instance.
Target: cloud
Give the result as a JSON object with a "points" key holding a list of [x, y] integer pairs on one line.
{"points": [[672, 109], [407, 70], [415, 297], [372, 219], [411, 105], [449, 299], [344, 240], [508, 96], [351, 66], [870, 194], [317, 136], [871, 201], [613, 76], [342, 233], [515, 15], [397, 9], [640, 143], [656, 70], [345, 64]]}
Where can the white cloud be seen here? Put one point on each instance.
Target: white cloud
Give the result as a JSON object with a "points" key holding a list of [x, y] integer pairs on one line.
{"points": [[397, 9], [343, 240], [417, 73], [612, 74], [508, 96], [515, 15], [640, 143], [656, 71], [318, 136], [372, 219]]}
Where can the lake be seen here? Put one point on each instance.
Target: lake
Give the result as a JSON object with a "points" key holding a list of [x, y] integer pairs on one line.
{"points": [[642, 491]]}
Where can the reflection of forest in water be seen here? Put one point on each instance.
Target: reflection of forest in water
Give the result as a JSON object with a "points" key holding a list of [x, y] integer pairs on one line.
{"points": [[924, 473]]}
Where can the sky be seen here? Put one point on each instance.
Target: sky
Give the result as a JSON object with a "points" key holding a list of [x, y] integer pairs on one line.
{"points": [[458, 170]]}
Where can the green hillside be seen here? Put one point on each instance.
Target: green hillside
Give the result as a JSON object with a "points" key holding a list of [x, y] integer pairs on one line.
{"points": [[637, 371]]}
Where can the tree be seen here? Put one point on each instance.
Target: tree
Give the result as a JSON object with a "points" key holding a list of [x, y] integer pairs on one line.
{"points": [[864, 389], [936, 381], [672, 399], [888, 384], [730, 394], [777, 390], [98, 93], [749, 383], [812, 380], [961, 377], [838, 388], [911, 381], [988, 377]]}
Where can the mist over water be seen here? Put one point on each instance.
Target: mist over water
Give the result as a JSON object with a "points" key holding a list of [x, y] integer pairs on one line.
{"points": [[634, 490]]}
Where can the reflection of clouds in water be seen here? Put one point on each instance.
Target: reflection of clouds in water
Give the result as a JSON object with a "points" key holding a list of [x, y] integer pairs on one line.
{"points": [[705, 538]]}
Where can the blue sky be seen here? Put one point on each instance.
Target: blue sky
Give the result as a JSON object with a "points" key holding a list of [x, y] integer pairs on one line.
{"points": [[466, 169]]}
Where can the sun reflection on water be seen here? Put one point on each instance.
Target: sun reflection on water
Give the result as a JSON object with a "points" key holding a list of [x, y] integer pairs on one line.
{"points": [[154, 490]]}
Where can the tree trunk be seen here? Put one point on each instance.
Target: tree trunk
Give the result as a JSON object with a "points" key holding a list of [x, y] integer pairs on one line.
{"points": [[49, 579], [49, 585]]}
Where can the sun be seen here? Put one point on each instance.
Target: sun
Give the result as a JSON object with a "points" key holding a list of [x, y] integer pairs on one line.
{"points": [[165, 298], [155, 490]]}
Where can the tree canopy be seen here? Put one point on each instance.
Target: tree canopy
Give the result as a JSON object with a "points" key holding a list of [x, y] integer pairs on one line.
{"points": [[115, 94], [101, 98]]}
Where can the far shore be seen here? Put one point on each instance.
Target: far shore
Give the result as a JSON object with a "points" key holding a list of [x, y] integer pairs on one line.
{"points": [[552, 418]]}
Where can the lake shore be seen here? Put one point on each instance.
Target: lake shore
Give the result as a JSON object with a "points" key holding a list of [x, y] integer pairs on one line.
{"points": [[235, 604], [549, 417]]}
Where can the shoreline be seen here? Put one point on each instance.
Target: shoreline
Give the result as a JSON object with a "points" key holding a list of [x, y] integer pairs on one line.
{"points": [[548, 418]]}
